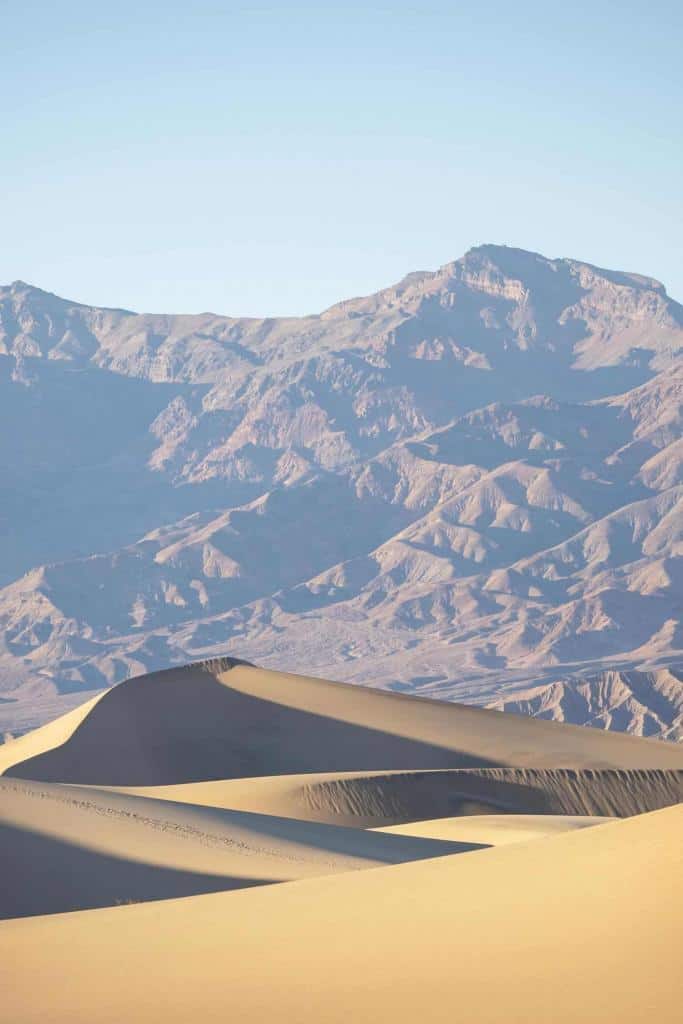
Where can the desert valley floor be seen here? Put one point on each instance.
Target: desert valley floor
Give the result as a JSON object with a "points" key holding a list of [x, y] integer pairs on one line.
{"points": [[435, 862]]}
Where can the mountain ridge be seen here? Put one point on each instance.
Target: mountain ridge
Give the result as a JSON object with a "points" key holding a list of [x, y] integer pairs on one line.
{"points": [[415, 277], [469, 480]]}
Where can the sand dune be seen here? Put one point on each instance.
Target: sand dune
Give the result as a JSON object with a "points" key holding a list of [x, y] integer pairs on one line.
{"points": [[496, 829], [580, 927], [437, 862], [210, 721], [372, 799], [494, 888], [69, 848], [48, 737]]}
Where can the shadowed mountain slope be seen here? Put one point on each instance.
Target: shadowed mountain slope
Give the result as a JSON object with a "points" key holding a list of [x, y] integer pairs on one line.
{"points": [[468, 484]]}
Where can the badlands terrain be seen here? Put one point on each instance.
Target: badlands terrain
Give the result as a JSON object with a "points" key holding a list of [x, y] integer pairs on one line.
{"points": [[467, 486], [223, 842]]}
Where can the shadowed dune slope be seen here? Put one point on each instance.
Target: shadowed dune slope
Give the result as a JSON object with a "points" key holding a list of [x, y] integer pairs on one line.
{"points": [[536, 931], [69, 848], [42, 875], [47, 737], [373, 799], [207, 722]]}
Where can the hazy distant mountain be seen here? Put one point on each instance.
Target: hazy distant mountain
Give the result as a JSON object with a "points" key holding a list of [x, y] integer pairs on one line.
{"points": [[468, 485]]}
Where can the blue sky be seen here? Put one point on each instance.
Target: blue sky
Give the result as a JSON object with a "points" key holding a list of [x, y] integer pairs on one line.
{"points": [[274, 158]]}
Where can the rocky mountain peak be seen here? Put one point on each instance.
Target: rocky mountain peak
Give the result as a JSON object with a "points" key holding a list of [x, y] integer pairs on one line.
{"points": [[466, 484]]}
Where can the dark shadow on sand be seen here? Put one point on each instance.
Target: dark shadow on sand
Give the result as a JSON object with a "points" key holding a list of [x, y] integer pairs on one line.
{"points": [[171, 727]]}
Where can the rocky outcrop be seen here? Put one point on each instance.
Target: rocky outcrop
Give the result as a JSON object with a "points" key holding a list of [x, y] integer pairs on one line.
{"points": [[467, 485]]}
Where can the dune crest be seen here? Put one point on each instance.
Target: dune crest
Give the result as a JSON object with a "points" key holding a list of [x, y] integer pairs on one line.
{"points": [[537, 931], [201, 722], [70, 848], [238, 843]]}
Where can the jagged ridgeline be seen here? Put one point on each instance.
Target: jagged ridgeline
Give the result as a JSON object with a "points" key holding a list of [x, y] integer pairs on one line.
{"points": [[466, 486]]}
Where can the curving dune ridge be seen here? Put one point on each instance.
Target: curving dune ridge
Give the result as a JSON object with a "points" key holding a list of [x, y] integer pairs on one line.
{"points": [[371, 799], [569, 929], [229, 720], [432, 859], [71, 847]]}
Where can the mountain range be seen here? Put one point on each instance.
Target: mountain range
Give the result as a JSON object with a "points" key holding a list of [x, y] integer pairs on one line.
{"points": [[466, 486]]}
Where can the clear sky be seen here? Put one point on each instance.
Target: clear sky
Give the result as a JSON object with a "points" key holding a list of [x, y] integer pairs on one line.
{"points": [[274, 158]]}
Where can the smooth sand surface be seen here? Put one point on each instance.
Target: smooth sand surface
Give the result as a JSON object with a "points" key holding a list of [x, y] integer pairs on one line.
{"points": [[69, 848], [190, 725], [47, 737], [494, 892], [582, 927], [495, 829], [373, 799]]}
